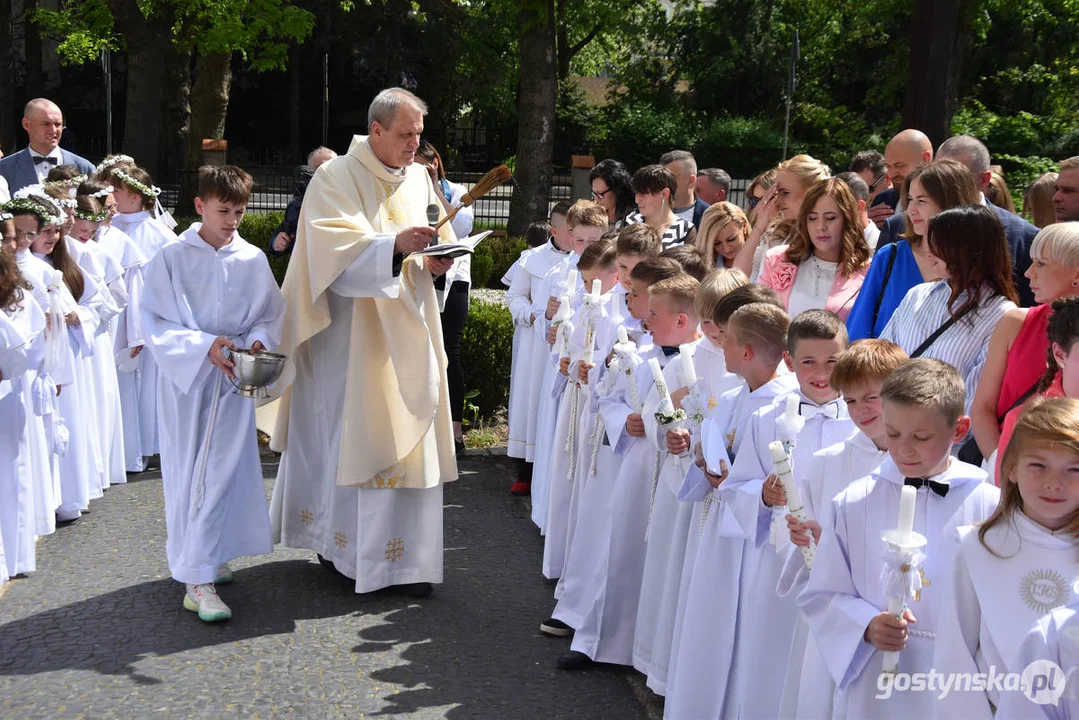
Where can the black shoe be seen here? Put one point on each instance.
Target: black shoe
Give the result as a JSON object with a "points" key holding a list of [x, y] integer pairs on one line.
{"points": [[555, 628], [417, 590], [459, 445], [574, 660], [331, 567]]}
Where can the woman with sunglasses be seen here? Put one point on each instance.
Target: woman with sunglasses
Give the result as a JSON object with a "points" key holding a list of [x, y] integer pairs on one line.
{"points": [[612, 187]]}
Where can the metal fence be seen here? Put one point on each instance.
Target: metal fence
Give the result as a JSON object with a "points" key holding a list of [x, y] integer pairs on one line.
{"points": [[274, 187]]}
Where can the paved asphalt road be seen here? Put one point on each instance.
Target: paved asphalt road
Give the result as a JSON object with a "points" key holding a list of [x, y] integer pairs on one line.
{"points": [[99, 632]]}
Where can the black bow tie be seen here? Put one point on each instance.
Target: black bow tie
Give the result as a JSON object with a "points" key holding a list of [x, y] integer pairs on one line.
{"points": [[938, 487], [669, 350], [38, 159]]}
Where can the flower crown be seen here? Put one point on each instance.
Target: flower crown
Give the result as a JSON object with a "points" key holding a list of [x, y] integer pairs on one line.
{"points": [[92, 217], [5, 216], [147, 191], [114, 160], [107, 190], [32, 204], [70, 183]]}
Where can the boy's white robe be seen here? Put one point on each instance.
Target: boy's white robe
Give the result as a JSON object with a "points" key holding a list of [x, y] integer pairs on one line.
{"points": [[109, 276], [844, 591], [215, 497], [140, 385], [808, 690], [990, 601], [571, 408], [551, 383], [82, 468], [606, 559], [768, 620], [703, 679], [590, 425], [16, 491], [41, 396], [531, 351], [1054, 638]]}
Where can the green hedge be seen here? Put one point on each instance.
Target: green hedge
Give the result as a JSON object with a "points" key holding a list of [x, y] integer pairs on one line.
{"points": [[493, 259], [486, 353]]}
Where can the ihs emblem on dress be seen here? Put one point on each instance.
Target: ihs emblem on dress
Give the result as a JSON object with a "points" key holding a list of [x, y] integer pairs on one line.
{"points": [[1044, 590], [395, 550]]}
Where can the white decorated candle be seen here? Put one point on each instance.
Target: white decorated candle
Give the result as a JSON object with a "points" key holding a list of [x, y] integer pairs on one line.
{"points": [[665, 404], [623, 336], [689, 370], [597, 288], [907, 498], [571, 281]]}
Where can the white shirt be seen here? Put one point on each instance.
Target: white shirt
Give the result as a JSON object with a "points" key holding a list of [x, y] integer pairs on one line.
{"points": [[812, 285], [872, 234], [42, 169]]}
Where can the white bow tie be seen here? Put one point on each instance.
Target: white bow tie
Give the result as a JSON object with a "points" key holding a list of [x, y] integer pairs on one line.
{"points": [[828, 410]]}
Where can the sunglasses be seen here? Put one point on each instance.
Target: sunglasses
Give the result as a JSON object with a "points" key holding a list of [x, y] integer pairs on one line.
{"points": [[878, 181]]}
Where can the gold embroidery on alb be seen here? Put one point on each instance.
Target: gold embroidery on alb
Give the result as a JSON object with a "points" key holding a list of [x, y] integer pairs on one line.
{"points": [[395, 550], [1044, 590]]}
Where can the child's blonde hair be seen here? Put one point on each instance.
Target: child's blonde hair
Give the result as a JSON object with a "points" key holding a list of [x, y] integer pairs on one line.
{"points": [[680, 289], [1044, 424], [715, 286], [866, 361], [763, 327], [587, 213], [929, 383]]}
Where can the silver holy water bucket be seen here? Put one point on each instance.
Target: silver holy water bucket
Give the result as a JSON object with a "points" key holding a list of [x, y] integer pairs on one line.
{"points": [[254, 371]]}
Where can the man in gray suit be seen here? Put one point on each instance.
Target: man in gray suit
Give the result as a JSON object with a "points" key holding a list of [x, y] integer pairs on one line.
{"points": [[43, 123]]}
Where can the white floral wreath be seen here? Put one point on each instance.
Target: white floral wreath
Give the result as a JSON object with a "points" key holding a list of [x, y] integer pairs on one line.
{"points": [[114, 160], [147, 191]]}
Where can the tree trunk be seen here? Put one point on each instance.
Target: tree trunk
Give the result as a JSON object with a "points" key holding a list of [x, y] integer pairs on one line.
{"points": [[295, 78], [35, 70], [175, 111], [142, 113], [936, 53], [536, 99], [209, 106], [7, 80], [146, 40], [562, 41]]}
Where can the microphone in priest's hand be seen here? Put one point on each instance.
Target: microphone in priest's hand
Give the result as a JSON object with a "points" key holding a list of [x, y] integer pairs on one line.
{"points": [[432, 220]]}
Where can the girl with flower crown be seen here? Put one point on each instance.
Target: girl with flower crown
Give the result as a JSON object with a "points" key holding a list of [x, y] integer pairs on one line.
{"points": [[70, 298], [136, 196], [825, 262]]}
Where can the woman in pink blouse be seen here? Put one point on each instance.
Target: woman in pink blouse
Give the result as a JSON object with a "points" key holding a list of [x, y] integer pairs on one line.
{"points": [[827, 258]]}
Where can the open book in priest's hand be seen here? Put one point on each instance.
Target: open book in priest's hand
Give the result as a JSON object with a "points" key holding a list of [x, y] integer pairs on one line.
{"points": [[454, 250]]}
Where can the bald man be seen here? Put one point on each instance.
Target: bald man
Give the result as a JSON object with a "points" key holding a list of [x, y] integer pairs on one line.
{"points": [[904, 152], [44, 124]]}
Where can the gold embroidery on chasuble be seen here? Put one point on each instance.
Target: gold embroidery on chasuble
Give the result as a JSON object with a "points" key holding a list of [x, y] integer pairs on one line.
{"points": [[712, 402], [340, 540], [395, 550], [307, 517]]}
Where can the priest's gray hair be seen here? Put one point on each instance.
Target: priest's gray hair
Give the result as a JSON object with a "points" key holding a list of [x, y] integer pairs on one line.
{"points": [[384, 107]]}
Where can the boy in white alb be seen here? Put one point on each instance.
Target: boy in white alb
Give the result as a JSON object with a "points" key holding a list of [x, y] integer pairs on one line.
{"points": [[211, 291], [701, 680], [597, 269], [859, 373], [531, 351], [844, 601], [584, 225], [607, 556]]}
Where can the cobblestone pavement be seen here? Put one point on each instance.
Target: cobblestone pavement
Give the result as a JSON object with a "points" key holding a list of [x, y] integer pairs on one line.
{"points": [[99, 632]]}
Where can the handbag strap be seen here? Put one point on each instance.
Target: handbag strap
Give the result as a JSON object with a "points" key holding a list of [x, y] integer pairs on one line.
{"points": [[884, 284], [940, 331], [1020, 400]]}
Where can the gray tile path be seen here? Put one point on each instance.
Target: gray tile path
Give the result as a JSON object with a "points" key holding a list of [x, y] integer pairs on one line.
{"points": [[99, 632]]}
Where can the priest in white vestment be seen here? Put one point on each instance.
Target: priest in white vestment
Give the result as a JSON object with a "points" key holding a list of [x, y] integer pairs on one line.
{"points": [[364, 420]]}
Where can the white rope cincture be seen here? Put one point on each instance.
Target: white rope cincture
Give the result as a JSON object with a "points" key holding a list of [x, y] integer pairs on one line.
{"points": [[571, 436], [652, 496], [198, 489], [708, 500]]}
